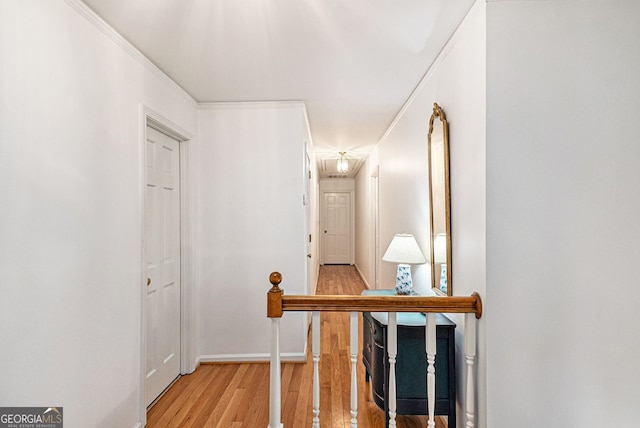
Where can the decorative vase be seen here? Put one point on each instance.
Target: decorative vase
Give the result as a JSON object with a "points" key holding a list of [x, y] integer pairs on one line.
{"points": [[443, 278], [404, 284]]}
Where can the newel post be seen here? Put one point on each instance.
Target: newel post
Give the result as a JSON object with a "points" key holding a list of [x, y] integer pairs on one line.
{"points": [[274, 311]]}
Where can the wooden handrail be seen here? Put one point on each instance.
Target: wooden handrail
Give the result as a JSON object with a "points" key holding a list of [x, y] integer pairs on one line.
{"points": [[277, 302]]}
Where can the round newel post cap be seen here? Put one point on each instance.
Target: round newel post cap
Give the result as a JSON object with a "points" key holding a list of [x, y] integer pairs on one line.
{"points": [[274, 296], [275, 279]]}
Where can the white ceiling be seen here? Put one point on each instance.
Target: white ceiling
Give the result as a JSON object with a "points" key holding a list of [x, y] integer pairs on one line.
{"points": [[353, 62]]}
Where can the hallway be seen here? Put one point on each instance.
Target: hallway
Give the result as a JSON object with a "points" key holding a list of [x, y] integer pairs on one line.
{"points": [[237, 395]]}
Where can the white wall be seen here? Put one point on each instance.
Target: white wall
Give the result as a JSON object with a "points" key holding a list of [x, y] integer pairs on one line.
{"points": [[365, 221], [456, 81], [364, 232], [558, 336], [71, 181], [251, 223], [562, 213], [314, 212]]}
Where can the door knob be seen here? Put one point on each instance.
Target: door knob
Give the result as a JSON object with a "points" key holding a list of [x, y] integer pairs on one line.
{"points": [[148, 282]]}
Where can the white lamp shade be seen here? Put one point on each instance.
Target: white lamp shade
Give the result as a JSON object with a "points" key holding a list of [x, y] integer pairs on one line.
{"points": [[404, 249], [440, 248]]}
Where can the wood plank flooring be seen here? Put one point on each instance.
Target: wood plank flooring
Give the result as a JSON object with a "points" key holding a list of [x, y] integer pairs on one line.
{"points": [[237, 395]]}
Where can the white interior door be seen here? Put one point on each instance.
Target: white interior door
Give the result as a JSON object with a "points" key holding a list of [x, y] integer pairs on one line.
{"points": [[162, 263], [337, 228]]}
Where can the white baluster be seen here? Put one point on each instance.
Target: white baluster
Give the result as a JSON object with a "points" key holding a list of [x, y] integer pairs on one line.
{"points": [[353, 350], [470, 354], [392, 349], [274, 376], [315, 349], [430, 340]]}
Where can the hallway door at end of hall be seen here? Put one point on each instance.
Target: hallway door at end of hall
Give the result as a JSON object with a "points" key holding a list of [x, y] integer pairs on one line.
{"points": [[162, 263], [336, 217]]}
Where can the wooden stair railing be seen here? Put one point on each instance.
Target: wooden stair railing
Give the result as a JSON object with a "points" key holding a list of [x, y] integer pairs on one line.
{"points": [[278, 303]]}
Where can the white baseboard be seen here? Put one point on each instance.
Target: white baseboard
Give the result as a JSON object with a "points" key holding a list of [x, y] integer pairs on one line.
{"points": [[138, 425], [366, 284], [285, 357]]}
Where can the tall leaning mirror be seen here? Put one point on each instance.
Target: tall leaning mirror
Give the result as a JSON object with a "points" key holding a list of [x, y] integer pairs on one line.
{"points": [[439, 202]]}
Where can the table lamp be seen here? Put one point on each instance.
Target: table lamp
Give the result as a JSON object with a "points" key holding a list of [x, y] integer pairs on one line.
{"points": [[405, 251]]}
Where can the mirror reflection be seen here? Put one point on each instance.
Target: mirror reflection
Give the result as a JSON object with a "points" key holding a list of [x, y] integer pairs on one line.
{"points": [[439, 201]]}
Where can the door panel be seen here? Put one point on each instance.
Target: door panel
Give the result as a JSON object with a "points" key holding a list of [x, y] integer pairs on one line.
{"points": [[337, 228], [162, 263]]}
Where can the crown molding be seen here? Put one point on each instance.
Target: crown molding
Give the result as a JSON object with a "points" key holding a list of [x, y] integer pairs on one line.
{"points": [[93, 18], [230, 105]]}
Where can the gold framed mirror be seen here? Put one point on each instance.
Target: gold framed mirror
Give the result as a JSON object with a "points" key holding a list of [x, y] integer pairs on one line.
{"points": [[439, 202]]}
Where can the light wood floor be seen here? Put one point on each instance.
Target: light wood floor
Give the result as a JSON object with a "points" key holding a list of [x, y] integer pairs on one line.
{"points": [[237, 395]]}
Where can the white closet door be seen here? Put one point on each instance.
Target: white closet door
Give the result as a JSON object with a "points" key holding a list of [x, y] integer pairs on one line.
{"points": [[162, 262]]}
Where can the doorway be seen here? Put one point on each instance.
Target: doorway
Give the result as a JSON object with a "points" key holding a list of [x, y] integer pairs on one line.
{"points": [[337, 228], [185, 352], [162, 264]]}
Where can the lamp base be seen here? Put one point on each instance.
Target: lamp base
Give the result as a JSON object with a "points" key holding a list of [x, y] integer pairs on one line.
{"points": [[404, 284], [443, 278]]}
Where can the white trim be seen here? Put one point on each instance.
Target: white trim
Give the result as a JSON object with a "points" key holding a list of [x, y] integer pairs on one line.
{"points": [[306, 178], [188, 336], [306, 122], [366, 284], [375, 224], [142, 408], [138, 425], [227, 105], [164, 125], [188, 361], [124, 44], [291, 357]]}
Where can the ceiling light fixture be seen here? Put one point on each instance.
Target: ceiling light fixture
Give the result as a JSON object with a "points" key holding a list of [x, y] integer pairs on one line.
{"points": [[343, 163]]}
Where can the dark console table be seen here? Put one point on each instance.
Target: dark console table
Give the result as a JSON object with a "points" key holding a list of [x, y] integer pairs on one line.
{"points": [[411, 362]]}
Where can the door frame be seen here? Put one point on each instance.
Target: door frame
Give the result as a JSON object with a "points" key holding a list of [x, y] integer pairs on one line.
{"points": [[149, 117], [352, 221], [307, 226], [375, 217]]}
